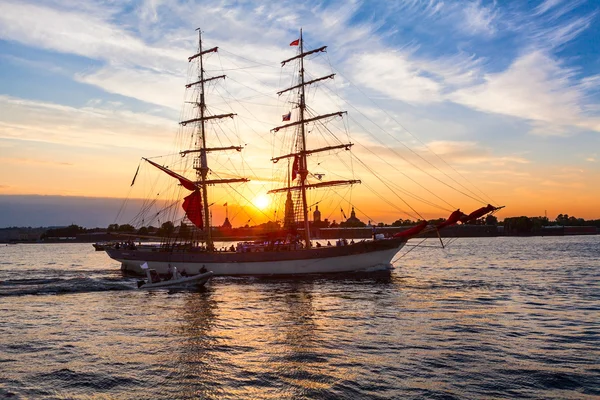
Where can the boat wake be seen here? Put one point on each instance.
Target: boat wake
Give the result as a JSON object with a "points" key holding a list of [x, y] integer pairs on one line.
{"points": [[378, 268], [53, 286]]}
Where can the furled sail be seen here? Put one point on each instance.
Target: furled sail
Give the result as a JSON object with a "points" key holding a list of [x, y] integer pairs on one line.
{"points": [[452, 219], [480, 212], [415, 230], [192, 204]]}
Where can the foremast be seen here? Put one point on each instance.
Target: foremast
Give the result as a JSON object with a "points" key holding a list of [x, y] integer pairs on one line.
{"points": [[201, 159], [300, 156]]}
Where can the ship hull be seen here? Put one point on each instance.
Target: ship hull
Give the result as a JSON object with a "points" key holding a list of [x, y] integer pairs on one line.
{"points": [[361, 256]]}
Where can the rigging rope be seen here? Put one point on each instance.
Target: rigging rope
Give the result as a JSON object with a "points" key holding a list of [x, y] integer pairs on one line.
{"points": [[477, 198]]}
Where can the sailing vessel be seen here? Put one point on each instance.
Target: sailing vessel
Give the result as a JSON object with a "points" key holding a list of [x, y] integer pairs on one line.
{"points": [[293, 252]]}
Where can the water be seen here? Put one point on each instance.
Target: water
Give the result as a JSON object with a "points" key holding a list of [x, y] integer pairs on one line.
{"points": [[486, 318]]}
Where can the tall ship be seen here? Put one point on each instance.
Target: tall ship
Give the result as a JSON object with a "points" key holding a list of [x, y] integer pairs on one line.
{"points": [[287, 251]]}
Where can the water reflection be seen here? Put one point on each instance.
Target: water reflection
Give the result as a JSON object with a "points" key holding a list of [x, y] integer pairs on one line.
{"points": [[271, 338], [197, 347]]}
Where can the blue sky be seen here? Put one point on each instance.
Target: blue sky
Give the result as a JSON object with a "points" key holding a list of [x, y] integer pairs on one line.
{"points": [[508, 92]]}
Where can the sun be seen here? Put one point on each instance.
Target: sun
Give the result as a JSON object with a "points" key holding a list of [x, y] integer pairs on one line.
{"points": [[261, 201]]}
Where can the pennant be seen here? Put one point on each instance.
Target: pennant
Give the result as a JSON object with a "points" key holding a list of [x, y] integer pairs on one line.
{"points": [[135, 176], [144, 266], [185, 182], [225, 205], [295, 42], [287, 117]]}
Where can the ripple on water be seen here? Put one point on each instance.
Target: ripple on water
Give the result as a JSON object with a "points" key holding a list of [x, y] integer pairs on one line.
{"points": [[66, 378], [484, 318]]}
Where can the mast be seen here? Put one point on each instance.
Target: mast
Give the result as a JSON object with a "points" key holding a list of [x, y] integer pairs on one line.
{"points": [[302, 152], [201, 160], [202, 172], [200, 164], [303, 170]]}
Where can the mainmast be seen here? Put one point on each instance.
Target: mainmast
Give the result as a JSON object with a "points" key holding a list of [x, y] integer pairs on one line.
{"points": [[302, 151], [303, 170]]}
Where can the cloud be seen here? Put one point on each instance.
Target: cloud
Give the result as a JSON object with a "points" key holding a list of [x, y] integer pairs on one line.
{"points": [[83, 34], [554, 9], [32, 161], [89, 126], [543, 128], [468, 152], [164, 89], [554, 36], [479, 19], [39, 65], [547, 5], [151, 69], [535, 87], [404, 76], [562, 184]]}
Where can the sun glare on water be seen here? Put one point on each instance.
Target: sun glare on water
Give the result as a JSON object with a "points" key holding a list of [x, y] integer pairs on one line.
{"points": [[261, 201]]}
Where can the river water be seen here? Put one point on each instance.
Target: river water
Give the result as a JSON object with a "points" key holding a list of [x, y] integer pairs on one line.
{"points": [[485, 318]]}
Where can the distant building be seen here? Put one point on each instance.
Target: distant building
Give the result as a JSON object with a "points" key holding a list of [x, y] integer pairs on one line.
{"points": [[352, 222], [317, 215], [289, 220]]}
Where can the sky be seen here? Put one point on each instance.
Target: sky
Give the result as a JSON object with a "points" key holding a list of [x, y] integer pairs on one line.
{"points": [[498, 98]]}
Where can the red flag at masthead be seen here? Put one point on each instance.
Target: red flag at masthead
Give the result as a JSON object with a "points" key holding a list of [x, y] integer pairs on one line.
{"points": [[295, 42]]}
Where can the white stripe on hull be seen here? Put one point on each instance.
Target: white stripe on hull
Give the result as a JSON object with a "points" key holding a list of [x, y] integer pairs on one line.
{"points": [[349, 263]]}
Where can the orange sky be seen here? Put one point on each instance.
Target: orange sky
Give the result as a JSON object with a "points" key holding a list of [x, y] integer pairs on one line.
{"points": [[524, 190]]}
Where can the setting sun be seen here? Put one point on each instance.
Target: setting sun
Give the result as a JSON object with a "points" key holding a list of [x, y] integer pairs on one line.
{"points": [[261, 201]]}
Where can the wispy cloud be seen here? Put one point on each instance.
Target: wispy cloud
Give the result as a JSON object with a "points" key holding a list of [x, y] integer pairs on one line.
{"points": [[396, 76], [553, 36], [535, 87], [34, 161], [547, 5], [84, 34], [479, 19], [467, 152], [27, 120], [160, 88], [555, 9]]}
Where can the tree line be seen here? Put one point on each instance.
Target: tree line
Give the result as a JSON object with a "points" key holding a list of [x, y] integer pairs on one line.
{"points": [[184, 230]]}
